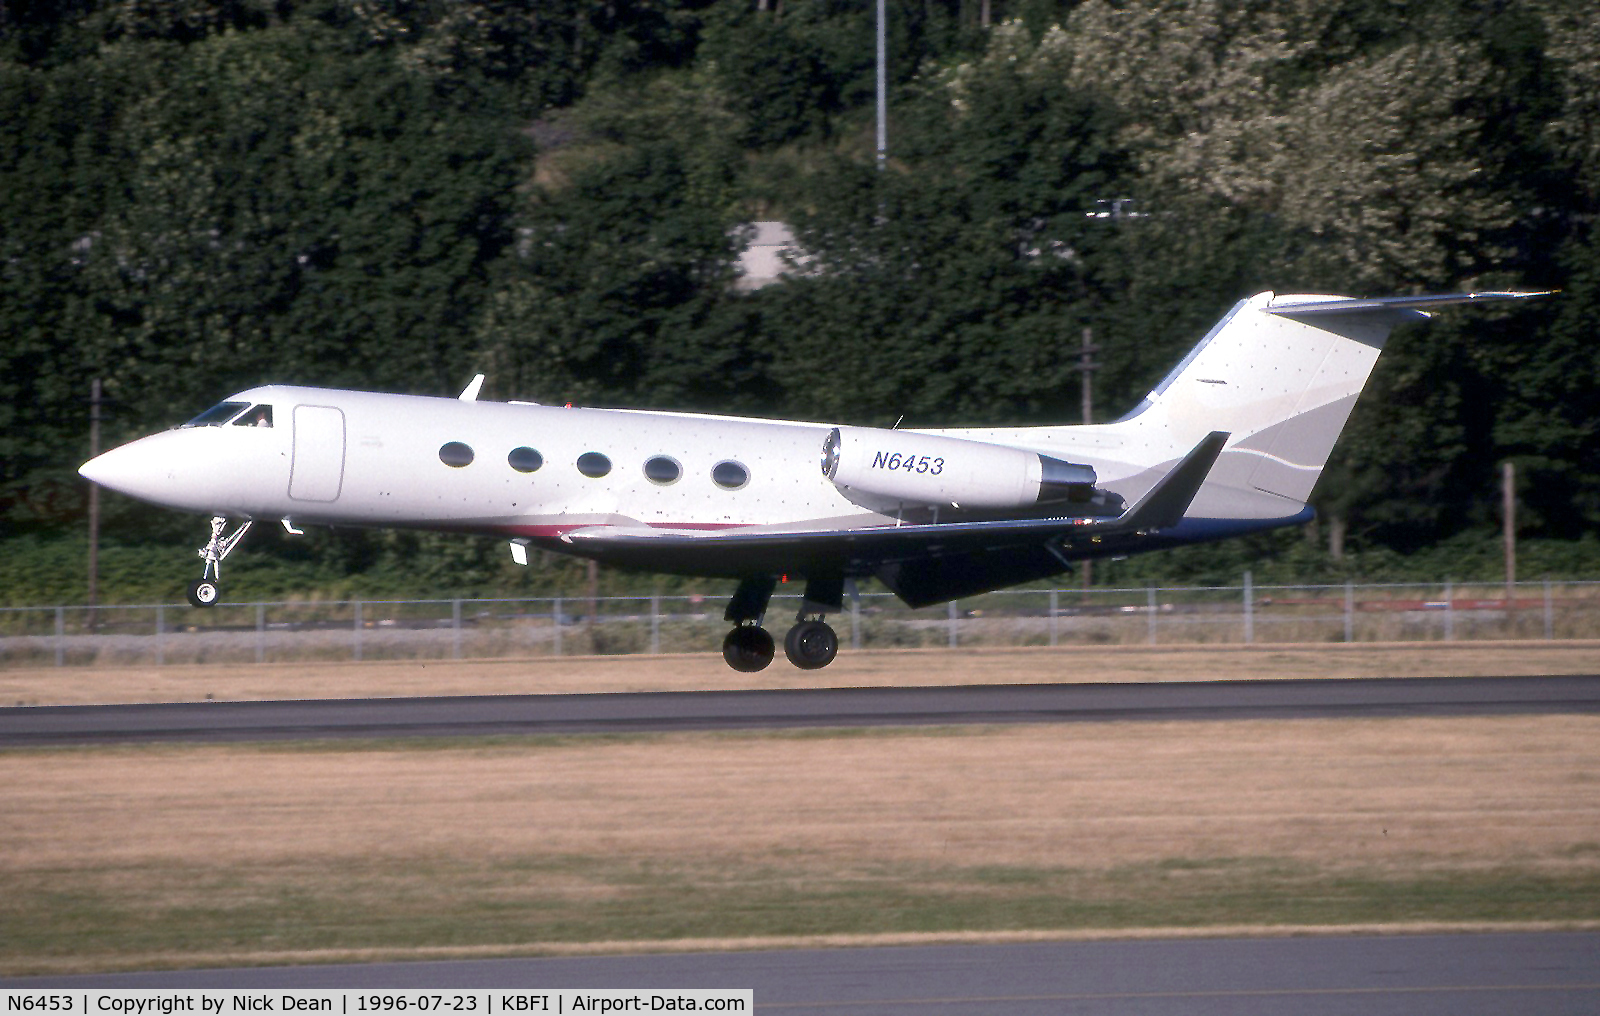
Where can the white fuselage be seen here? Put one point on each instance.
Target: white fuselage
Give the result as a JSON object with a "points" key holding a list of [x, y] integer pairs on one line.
{"points": [[372, 459]]}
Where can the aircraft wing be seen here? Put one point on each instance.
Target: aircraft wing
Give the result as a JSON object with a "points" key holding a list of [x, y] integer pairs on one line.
{"points": [[924, 563]]}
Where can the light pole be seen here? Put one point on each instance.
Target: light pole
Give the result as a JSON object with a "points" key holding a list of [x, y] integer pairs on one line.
{"points": [[94, 506], [883, 88]]}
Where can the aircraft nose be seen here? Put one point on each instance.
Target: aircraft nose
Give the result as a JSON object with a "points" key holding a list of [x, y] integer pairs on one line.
{"points": [[134, 469]]}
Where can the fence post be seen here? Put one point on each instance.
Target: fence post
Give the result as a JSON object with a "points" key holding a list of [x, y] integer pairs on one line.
{"points": [[855, 619], [61, 637], [1349, 611], [1053, 605], [455, 627], [555, 616], [1549, 619], [1249, 610], [261, 632], [952, 639], [1449, 611], [355, 648], [655, 624], [1150, 598], [161, 637]]}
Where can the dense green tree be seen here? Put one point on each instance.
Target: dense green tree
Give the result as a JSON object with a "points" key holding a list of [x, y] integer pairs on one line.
{"points": [[298, 210], [955, 282], [56, 179], [627, 248], [1548, 420], [184, 219], [777, 81]]}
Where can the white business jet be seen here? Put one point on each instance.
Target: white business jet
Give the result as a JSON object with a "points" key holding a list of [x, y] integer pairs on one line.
{"points": [[1231, 442]]}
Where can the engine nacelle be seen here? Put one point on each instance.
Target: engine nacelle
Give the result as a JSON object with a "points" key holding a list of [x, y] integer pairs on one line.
{"points": [[897, 466]]}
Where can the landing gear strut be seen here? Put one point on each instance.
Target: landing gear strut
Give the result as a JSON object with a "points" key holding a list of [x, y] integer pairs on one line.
{"points": [[204, 591], [810, 644], [748, 648]]}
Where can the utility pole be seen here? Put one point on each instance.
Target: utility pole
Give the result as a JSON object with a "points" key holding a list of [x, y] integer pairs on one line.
{"points": [[1086, 368], [94, 506], [1114, 210], [594, 602], [1508, 502]]}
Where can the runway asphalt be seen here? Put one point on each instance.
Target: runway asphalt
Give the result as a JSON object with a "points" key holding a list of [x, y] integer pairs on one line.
{"points": [[1400, 975], [475, 716]]}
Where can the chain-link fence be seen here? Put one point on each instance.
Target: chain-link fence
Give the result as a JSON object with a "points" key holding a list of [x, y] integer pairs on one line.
{"points": [[553, 626]]}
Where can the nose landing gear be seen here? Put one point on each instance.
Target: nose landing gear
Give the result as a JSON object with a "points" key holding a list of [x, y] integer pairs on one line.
{"points": [[204, 591]]}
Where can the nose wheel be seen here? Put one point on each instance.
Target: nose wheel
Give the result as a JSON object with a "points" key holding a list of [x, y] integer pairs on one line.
{"points": [[203, 592]]}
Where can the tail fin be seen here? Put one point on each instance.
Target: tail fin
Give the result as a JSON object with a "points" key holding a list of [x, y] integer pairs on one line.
{"points": [[1281, 375]]}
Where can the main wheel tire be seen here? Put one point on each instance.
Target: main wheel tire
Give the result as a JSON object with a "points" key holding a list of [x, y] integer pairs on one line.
{"points": [[203, 592], [748, 648], [811, 645]]}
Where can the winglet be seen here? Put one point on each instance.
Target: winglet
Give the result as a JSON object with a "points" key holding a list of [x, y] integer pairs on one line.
{"points": [[470, 393], [1162, 507]]}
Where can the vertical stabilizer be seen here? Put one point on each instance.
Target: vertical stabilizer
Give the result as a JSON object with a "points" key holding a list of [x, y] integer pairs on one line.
{"points": [[1281, 374]]}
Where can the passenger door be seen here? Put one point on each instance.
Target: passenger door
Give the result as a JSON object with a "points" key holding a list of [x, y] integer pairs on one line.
{"points": [[316, 473]]}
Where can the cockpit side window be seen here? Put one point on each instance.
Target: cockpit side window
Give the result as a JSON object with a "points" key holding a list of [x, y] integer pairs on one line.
{"points": [[258, 416], [218, 414]]}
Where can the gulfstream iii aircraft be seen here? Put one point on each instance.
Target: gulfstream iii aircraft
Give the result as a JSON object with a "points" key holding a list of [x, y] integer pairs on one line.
{"points": [[1231, 442]]}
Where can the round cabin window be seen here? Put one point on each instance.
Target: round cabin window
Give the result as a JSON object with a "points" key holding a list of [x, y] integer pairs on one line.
{"points": [[525, 460], [593, 465], [662, 470], [730, 475], [456, 454]]}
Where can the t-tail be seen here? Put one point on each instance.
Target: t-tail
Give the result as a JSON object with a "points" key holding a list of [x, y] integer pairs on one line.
{"points": [[1279, 375]]}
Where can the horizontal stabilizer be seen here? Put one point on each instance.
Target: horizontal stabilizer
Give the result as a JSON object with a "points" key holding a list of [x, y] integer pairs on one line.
{"points": [[1292, 307], [1163, 506]]}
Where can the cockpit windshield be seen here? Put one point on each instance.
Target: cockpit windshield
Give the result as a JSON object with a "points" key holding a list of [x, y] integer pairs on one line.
{"points": [[218, 414], [257, 416], [240, 414]]}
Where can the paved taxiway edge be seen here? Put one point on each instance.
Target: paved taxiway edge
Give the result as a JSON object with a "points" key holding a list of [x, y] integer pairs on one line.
{"points": [[656, 712], [776, 943]]}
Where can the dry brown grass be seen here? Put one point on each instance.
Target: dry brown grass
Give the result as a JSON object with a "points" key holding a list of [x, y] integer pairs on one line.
{"points": [[868, 668], [178, 855], [1334, 792]]}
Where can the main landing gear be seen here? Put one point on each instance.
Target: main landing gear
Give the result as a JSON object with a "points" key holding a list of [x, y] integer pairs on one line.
{"points": [[204, 591], [810, 645]]}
